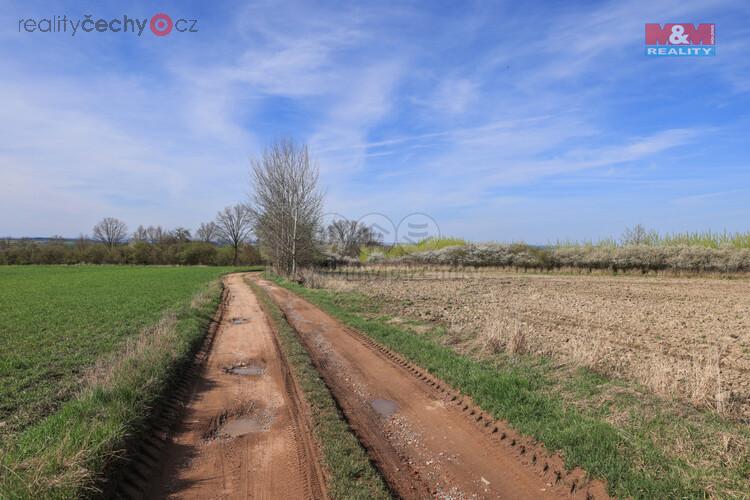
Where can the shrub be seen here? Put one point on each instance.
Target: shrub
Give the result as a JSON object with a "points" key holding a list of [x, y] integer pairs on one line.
{"points": [[138, 252], [644, 258]]}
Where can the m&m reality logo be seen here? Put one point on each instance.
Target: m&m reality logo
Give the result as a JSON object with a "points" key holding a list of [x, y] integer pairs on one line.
{"points": [[682, 39]]}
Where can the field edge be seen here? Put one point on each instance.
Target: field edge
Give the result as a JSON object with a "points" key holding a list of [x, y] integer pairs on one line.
{"points": [[68, 453], [630, 469]]}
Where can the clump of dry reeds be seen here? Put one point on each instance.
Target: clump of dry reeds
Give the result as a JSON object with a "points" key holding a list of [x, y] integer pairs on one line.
{"points": [[699, 379], [504, 334], [310, 278], [516, 343]]}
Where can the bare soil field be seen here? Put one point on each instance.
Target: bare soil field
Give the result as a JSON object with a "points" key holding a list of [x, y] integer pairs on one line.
{"points": [[688, 337]]}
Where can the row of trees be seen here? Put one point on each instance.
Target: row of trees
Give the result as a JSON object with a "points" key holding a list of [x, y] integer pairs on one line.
{"points": [[284, 212], [231, 227], [85, 250]]}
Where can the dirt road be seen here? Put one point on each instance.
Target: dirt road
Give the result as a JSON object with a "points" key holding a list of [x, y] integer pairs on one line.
{"points": [[425, 440], [244, 432]]}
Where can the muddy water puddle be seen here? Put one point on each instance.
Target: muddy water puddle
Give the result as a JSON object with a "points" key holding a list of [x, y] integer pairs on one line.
{"points": [[246, 424], [384, 407], [249, 369], [239, 321]]}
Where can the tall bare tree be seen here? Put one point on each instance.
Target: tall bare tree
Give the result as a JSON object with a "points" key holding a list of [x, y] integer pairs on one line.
{"points": [[140, 234], [233, 226], [206, 232], [156, 234], [110, 231], [286, 205]]}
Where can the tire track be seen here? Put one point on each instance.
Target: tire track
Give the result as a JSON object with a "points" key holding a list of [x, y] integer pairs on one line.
{"points": [[232, 433], [436, 442]]}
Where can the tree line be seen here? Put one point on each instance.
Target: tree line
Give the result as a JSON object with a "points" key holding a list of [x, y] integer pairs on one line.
{"points": [[223, 241], [169, 249], [283, 212]]}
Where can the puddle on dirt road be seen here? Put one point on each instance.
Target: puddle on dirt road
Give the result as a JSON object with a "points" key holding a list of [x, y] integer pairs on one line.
{"points": [[241, 425], [384, 407], [252, 369], [238, 321]]}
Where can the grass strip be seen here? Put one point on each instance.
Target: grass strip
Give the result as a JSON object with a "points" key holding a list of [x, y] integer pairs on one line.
{"points": [[632, 465], [63, 455], [351, 475]]}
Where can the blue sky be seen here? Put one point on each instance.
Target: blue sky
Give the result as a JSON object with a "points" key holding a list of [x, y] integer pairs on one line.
{"points": [[511, 120]]}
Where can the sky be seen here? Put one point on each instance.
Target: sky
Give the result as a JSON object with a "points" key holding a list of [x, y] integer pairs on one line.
{"points": [[502, 121]]}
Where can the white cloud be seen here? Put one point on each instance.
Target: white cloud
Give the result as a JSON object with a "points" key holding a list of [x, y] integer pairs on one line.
{"points": [[454, 96], [405, 108]]}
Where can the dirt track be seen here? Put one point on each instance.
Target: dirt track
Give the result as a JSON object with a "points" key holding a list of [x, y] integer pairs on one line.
{"points": [[243, 434], [245, 430], [425, 442]]}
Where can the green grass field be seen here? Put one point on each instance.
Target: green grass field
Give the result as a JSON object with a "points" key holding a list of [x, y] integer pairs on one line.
{"points": [[87, 351], [56, 321]]}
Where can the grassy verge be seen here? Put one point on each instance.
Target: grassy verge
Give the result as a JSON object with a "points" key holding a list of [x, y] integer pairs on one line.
{"points": [[350, 473], [57, 321], [62, 455], [643, 446]]}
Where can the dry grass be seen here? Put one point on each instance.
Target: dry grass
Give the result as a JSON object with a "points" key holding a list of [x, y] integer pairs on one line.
{"points": [[310, 278], [315, 280], [516, 339], [152, 338], [653, 447], [668, 334], [500, 334], [699, 379], [590, 352]]}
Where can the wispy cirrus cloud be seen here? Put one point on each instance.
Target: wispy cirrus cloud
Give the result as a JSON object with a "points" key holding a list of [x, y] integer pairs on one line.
{"points": [[462, 111]]}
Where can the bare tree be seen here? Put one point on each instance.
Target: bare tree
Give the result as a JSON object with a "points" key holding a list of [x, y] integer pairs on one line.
{"points": [[286, 205], [140, 234], [181, 234], [110, 231], [156, 234], [206, 232], [233, 226], [347, 237], [81, 245]]}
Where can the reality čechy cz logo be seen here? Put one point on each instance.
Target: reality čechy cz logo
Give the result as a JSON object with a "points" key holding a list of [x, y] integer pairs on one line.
{"points": [[160, 24], [680, 39]]}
